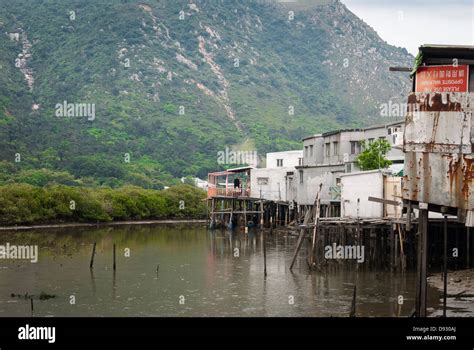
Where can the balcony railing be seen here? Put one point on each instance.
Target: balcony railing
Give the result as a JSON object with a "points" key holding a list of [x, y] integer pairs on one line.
{"points": [[227, 192]]}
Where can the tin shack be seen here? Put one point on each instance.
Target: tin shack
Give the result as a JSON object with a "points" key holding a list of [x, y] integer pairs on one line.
{"points": [[438, 138]]}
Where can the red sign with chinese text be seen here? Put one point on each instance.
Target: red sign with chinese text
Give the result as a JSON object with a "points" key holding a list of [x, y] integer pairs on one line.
{"points": [[442, 78]]}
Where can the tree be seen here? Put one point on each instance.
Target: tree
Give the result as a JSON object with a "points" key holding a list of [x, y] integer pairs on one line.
{"points": [[373, 156]]}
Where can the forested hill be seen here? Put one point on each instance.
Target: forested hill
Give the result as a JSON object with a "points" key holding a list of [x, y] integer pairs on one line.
{"points": [[165, 85]]}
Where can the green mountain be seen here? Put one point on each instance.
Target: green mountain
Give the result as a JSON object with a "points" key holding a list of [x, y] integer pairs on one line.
{"points": [[158, 88]]}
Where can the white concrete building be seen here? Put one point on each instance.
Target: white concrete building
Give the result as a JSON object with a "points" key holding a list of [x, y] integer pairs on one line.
{"points": [[329, 155], [274, 181], [356, 188], [285, 159]]}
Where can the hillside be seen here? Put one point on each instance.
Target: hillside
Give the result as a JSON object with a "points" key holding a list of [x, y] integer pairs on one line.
{"points": [[172, 83]]}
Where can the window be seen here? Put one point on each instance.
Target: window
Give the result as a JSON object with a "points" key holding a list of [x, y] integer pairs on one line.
{"points": [[355, 147], [305, 151], [328, 149], [348, 167], [290, 173], [301, 176], [370, 141], [300, 161], [279, 162], [392, 130], [262, 180], [336, 148], [311, 150], [382, 138]]}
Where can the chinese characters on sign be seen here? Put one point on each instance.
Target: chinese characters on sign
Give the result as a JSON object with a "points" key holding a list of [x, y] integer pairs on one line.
{"points": [[442, 78]]}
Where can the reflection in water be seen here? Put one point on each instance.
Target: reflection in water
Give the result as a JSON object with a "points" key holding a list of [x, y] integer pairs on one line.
{"points": [[219, 273]]}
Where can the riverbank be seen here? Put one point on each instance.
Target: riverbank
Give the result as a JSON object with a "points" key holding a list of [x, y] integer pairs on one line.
{"points": [[460, 296], [111, 223], [460, 283]]}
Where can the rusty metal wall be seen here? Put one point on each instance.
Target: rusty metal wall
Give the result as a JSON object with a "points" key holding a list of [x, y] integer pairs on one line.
{"points": [[438, 149]]}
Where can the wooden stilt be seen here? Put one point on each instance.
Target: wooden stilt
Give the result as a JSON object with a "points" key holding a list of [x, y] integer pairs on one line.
{"points": [[315, 228], [392, 248], [402, 251], [277, 214], [421, 290], [445, 264], [395, 243], [245, 213], [468, 248]]}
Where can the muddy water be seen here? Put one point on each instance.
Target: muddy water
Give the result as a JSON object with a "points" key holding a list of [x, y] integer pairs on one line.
{"points": [[200, 273]]}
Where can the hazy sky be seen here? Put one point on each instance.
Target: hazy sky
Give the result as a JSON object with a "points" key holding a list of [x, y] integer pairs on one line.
{"points": [[410, 23]]}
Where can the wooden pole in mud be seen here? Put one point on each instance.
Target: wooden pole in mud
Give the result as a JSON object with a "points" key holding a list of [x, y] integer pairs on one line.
{"points": [[31, 302], [91, 265], [353, 305], [263, 240], [264, 255], [114, 258]]}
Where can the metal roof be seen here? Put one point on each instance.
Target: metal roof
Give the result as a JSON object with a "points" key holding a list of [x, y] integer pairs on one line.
{"points": [[240, 169], [312, 136], [436, 54], [334, 132]]}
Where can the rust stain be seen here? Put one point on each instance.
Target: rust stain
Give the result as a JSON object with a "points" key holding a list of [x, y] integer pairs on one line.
{"points": [[460, 176], [454, 189], [453, 168], [426, 176], [468, 176], [433, 103]]}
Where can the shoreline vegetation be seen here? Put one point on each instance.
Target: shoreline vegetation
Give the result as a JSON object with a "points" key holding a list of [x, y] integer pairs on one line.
{"points": [[59, 205], [99, 224]]}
